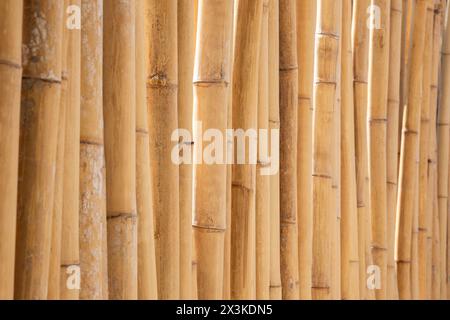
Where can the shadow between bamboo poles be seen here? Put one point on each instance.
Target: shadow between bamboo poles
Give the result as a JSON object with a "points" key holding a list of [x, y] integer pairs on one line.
{"points": [[119, 102], [93, 247], [392, 141], [147, 284], [11, 19], [41, 88], [409, 154], [306, 24], [245, 90], [162, 88], [360, 47], [325, 74], [349, 219], [288, 150]]}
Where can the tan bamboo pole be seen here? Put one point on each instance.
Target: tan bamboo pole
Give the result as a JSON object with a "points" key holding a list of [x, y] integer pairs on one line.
{"points": [[11, 12], [436, 265], [377, 118], [392, 141], [162, 87], [325, 76], [41, 89], [186, 47], [147, 285], [306, 23], [409, 153], [245, 93], [263, 181], [349, 220], [274, 124], [360, 47], [211, 81], [119, 101]]}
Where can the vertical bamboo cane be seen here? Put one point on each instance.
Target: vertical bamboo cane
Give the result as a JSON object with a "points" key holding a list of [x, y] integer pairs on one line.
{"points": [[288, 150], [436, 265], [162, 88], [325, 74], [409, 153], [306, 24], [119, 101], [11, 12], [147, 285], [41, 89], [245, 93], [349, 220], [274, 124]]}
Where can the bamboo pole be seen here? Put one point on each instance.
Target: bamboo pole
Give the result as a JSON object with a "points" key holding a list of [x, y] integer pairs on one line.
{"points": [[274, 124], [349, 220], [325, 75], [392, 141], [245, 93], [288, 150], [119, 101], [147, 284], [306, 23], [11, 12], [409, 153], [211, 108], [41, 89], [263, 181], [162, 87]]}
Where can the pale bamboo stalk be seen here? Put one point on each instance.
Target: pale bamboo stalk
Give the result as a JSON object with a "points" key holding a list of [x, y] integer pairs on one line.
{"points": [[119, 102], [360, 46], [162, 88], [415, 242], [409, 154], [349, 220], [325, 76], [186, 48], [147, 285], [274, 124], [245, 94], [377, 118], [392, 141], [306, 24], [436, 264], [11, 17], [263, 181], [41, 90], [211, 81]]}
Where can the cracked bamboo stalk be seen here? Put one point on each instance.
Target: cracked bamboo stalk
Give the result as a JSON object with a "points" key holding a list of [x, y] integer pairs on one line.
{"points": [[41, 88], [11, 19], [409, 153], [392, 141], [306, 23], [245, 94], [162, 88], [211, 81], [147, 284], [186, 48], [349, 220], [325, 76], [119, 102]]}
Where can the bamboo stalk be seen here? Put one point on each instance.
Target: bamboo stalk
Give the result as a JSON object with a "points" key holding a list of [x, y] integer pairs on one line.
{"points": [[245, 93], [41, 90], [325, 74], [306, 23], [409, 153], [162, 87], [11, 12], [119, 102], [147, 284], [349, 220], [288, 150]]}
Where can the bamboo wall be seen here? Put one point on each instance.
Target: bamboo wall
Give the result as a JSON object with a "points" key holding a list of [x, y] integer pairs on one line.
{"points": [[123, 174]]}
